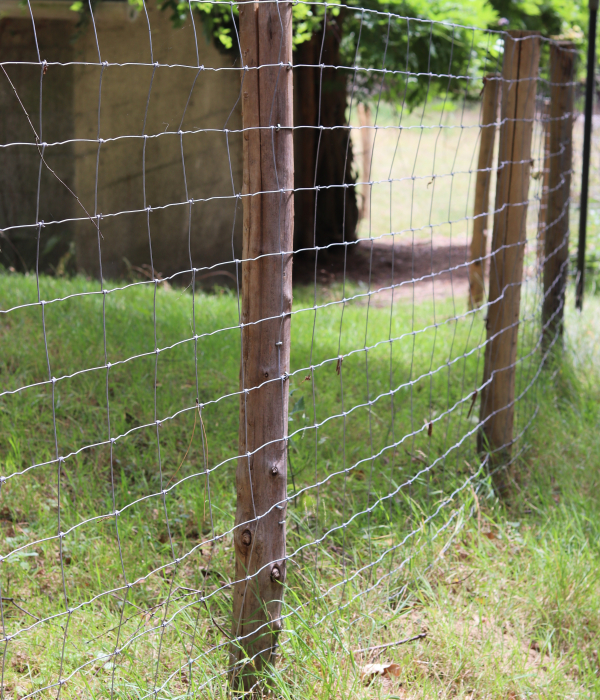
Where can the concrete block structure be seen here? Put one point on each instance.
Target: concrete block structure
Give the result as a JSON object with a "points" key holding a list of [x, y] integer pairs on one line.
{"points": [[130, 121]]}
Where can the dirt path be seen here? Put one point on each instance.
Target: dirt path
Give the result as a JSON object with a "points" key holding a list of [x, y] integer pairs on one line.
{"points": [[437, 268]]}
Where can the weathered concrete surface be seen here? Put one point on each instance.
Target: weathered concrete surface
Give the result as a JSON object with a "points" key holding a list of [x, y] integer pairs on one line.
{"points": [[126, 95], [20, 164], [70, 111]]}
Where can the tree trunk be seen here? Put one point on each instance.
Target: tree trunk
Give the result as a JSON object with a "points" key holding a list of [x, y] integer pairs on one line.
{"points": [[322, 157]]}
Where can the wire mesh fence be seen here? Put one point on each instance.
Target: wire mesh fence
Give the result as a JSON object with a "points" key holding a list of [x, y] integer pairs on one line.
{"points": [[177, 430]]}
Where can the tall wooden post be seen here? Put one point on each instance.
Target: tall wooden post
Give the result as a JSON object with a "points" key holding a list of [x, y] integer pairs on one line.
{"points": [[519, 82], [261, 477], [543, 215], [556, 248], [367, 138], [489, 113]]}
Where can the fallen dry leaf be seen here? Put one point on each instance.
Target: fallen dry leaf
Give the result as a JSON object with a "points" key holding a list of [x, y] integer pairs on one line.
{"points": [[370, 671]]}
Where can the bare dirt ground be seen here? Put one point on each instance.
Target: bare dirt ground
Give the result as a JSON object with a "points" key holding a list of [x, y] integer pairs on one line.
{"points": [[436, 267]]}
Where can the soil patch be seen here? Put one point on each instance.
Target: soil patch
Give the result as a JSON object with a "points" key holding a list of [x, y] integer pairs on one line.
{"points": [[422, 268]]}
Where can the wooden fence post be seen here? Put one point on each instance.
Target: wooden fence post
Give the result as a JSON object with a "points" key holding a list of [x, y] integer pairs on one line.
{"points": [[367, 138], [556, 247], [489, 114], [519, 82], [268, 218], [543, 215]]}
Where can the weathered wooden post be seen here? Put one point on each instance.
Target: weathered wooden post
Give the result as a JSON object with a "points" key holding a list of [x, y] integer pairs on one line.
{"points": [[489, 114], [519, 82], [543, 215], [556, 245], [367, 137], [268, 216]]}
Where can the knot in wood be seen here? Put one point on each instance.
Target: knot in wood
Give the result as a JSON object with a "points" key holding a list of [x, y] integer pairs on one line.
{"points": [[246, 537], [275, 574], [274, 471]]}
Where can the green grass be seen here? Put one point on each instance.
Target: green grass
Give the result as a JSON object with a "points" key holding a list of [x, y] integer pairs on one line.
{"points": [[444, 141], [486, 580]]}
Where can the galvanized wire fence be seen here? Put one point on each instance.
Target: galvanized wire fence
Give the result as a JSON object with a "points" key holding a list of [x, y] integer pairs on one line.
{"points": [[371, 412]]}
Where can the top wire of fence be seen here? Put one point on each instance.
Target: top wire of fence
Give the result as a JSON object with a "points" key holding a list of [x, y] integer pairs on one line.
{"points": [[275, 308]]}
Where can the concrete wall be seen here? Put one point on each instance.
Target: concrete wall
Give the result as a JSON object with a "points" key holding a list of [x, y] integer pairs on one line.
{"points": [[19, 164], [71, 111], [120, 174]]}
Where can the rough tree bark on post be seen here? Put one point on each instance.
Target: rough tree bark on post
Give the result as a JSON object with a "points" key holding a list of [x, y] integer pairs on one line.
{"points": [[556, 243], [519, 82], [261, 477], [489, 113]]}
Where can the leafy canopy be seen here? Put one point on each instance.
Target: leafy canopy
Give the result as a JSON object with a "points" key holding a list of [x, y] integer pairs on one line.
{"points": [[432, 37]]}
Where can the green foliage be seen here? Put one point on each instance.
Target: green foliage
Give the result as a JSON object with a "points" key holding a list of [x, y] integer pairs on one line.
{"points": [[374, 38], [418, 46], [551, 17], [219, 20], [414, 45]]}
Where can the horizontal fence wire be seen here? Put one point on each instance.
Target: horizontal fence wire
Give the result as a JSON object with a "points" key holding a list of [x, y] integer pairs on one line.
{"points": [[122, 333]]}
